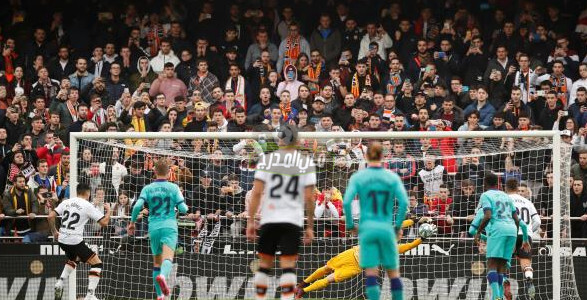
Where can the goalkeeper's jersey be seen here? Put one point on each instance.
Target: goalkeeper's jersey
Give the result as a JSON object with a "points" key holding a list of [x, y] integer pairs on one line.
{"points": [[161, 197]]}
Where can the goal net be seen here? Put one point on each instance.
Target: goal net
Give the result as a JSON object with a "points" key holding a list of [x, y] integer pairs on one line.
{"points": [[442, 170]]}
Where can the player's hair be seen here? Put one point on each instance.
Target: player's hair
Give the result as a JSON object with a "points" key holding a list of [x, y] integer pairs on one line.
{"points": [[288, 135], [490, 179], [83, 189], [162, 167], [511, 185], [375, 152]]}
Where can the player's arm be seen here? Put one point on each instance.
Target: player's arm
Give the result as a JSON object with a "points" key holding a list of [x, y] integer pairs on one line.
{"points": [[51, 220], [487, 213], [258, 187], [310, 205], [103, 221], [402, 204], [347, 204], [180, 202], [136, 210]]}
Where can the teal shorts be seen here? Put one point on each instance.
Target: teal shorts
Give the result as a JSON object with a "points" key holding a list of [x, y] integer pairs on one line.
{"points": [[163, 236], [378, 247], [501, 247]]}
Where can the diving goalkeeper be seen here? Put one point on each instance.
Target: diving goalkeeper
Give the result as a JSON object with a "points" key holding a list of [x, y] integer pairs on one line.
{"points": [[346, 264]]}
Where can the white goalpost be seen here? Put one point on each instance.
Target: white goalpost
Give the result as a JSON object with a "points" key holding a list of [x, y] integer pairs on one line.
{"points": [[214, 170]]}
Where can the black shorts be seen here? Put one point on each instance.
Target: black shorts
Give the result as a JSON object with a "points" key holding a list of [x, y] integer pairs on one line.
{"points": [[81, 251], [284, 237], [519, 252]]}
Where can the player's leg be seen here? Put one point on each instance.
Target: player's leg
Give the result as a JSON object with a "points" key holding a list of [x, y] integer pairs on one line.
{"points": [[525, 260], [390, 261], [70, 265], [168, 240], [266, 248], [93, 275], [370, 257], [493, 278], [156, 272], [289, 242]]}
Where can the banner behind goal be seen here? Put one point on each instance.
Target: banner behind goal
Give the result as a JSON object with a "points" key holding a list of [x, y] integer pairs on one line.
{"points": [[443, 170]]}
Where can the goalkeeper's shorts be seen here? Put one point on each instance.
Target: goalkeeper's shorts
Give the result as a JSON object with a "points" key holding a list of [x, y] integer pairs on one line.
{"points": [[345, 265], [163, 236], [501, 247], [378, 247]]}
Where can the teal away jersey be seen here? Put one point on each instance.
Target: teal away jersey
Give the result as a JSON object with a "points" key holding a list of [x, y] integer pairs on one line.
{"points": [[161, 197], [379, 190], [502, 208]]}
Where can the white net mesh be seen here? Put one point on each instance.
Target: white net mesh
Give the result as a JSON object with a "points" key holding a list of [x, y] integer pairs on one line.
{"points": [[214, 260]]}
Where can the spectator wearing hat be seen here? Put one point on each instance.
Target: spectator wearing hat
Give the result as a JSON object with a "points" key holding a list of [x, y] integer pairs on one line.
{"points": [[199, 120], [168, 85], [291, 82], [99, 88], [317, 110], [142, 77]]}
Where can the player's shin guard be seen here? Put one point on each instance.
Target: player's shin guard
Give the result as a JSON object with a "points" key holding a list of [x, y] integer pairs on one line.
{"points": [[156, 272], [319, 273], [166, 268], [373, 289], [317, 285], [397, 289], [261, 280], [528, 273], [493, 279], [287, 282], [94, 278]]}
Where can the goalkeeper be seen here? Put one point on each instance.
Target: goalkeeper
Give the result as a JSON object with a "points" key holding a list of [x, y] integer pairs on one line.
{"points": [[345, 265]]}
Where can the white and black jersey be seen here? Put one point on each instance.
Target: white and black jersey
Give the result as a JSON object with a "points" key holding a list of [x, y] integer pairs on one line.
{"points": [[528, 214], [430, 180], [75, 213], [286, 174]]}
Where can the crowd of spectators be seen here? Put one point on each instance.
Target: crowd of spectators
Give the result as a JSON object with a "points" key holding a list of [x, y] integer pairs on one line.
{"points": [[348, 65]]}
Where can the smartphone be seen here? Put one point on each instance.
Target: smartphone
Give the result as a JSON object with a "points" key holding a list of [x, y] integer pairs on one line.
{"points": [[147, 85], [446, 25], [441, 54], [465, 88], [565, 113], [47, 195], [540, 93]]}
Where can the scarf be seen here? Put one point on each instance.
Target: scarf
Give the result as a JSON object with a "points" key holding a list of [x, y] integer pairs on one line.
{"points": [[292, 50], [285, 110], [60, 174], [9, 67], [14, 170], [156, 32], [560, 86], [138, 124], [262, 72], [393, 83], [238, 87], [99, 116], [15, 199], [355, 85], [314, 73], [72, 110]]}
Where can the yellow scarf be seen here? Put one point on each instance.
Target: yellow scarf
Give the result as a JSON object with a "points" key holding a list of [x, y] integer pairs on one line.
{"points": [[15, 199], [314, 73], [139, 124]]}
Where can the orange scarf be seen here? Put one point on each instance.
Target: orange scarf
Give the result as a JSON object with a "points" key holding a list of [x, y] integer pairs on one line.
{"points": [[292, 50], [355, 89], [314, 73], [285, 110]]}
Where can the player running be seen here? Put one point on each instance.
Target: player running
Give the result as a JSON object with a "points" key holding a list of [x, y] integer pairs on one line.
{"points": [[501, 219], [345, 265], [75, 213], [529, 215], [379, 192], [287, 178], [162, 197]]}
